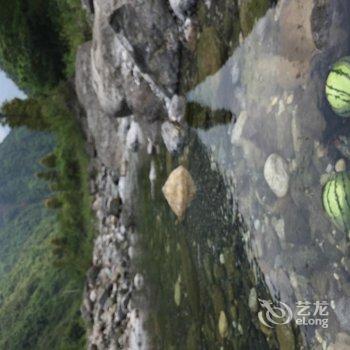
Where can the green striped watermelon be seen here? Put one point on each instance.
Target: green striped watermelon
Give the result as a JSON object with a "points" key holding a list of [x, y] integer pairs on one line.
{"points": [[336, 200], [338, 87]]}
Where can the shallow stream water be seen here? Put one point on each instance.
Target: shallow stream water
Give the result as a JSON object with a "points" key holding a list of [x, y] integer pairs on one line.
{"points": [[254, 88]]}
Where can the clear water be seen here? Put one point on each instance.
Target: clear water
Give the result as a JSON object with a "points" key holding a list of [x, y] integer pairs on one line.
{"points": [[238, 237]]}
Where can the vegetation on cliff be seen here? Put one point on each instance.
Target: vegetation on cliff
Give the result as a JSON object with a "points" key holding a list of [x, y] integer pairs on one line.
{"points": [[38, 40]]}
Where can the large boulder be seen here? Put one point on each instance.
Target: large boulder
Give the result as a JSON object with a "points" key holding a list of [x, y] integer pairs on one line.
{"points": [[152, 34], [134, 58], [106, 64], [107, 134]]}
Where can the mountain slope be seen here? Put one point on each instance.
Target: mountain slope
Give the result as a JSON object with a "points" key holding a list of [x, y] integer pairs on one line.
{"points": [[39, 304]]}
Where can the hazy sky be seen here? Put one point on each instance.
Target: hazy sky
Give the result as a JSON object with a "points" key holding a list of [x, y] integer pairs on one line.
{"points": [[8, 90]]}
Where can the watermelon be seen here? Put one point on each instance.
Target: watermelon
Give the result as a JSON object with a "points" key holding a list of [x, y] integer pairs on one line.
{"points": [[338, 87], [336, 200]]}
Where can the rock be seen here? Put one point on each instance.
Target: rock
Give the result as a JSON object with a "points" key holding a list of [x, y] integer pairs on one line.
{"points": [[209, 53], [278, 225], [276, 175], [88, 6], [179, 190], [249, 12], [174, 137], [152, 172], [340, 165], [285, 337], [177, 291], [182, 8], [106, 63], [223, 325], [342, 342], [253, 300], [190, 33], [342, 311], [106, 134], [134, 137], [177, 109], [138, 281], [151, 34]]}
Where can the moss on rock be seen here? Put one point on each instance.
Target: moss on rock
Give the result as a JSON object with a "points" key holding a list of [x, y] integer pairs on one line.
{"points": [[209, 53], [250, 11]]}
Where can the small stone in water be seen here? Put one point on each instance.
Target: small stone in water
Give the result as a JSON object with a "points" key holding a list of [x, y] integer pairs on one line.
{"points": [[340, 165], [223, 325], [138, 281], [177, 291], [290, 99], [177, 108], [253, 300], [276, 174], [329, 168], [179, 190]]}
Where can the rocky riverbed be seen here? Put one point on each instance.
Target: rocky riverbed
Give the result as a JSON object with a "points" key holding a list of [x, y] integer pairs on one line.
{"points": [[259, 141]]}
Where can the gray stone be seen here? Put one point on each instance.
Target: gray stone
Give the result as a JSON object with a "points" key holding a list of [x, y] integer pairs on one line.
{"points": [[342, 310], [276, 174], [177, 109], [150, 30], [174, 137], [182, 8]]}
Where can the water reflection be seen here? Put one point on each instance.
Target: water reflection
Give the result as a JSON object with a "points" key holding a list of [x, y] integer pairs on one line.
{"points": [[263, 144], [274, 85]]}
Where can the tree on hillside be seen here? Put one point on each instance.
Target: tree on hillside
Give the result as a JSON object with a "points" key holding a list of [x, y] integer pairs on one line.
{"points": [[28, 112]]}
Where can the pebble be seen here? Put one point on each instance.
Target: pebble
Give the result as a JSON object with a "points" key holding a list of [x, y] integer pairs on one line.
{"points": [[177, 109], [329, 168], [257, 224], [281, 107], [223, 325], [138, 281], [276, 174], [253, 300], [290, 99], [177, 291], [340, 165]]}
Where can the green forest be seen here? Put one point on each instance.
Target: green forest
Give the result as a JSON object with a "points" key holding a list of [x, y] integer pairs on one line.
{"points": [[46, 224], [39, 304]]}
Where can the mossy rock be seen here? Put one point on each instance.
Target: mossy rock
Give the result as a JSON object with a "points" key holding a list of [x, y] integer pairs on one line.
{"points": [[209, 53], [217, 300], [193, 337], [250, 11], [285, 337]]}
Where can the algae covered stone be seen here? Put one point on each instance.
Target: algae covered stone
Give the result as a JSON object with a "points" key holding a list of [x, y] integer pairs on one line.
{"points": [[336, 200], [179, 190], [338, 87], [223, 325], [177, 291]]}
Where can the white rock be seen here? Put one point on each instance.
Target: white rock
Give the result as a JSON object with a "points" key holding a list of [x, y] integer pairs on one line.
{"points": [[190, 32], [173, 137], [276, 174], [340, 165], [177, 109], [93, 296], [253, 300], [152, 172], [181, 7], [134, 137], [138, 281]]}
